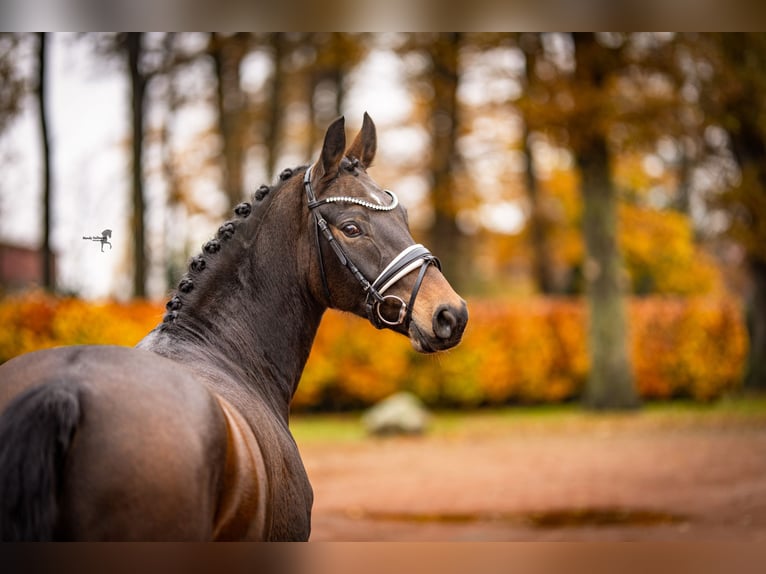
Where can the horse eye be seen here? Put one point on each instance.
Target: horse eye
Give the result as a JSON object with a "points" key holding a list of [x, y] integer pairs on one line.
{"points": [[351, 230]]}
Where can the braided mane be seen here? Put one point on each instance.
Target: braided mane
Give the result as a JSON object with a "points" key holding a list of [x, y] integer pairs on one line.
{"points": [[200, 262]]}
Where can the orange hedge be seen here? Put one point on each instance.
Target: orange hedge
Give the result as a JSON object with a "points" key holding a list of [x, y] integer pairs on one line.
{"points": [[529, 351], [523, 351], [37, 321]]}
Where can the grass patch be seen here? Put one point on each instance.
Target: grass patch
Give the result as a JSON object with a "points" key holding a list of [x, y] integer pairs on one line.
{"points": [[729, 412], [327, 428]]}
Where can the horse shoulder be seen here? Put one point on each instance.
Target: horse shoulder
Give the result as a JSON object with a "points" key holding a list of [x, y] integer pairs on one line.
{"points": [[243, 498]]}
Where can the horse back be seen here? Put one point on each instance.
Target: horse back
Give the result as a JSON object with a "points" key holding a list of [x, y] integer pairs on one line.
{"points": [[148, 457]]}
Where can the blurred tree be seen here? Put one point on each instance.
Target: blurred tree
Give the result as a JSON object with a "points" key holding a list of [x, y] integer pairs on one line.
{"points": [[180, 203], [608, 97], [336, 54], [11, 78], [133, 47], [442, 76], [610, 381], [538, 221], [174, 258], [661, 255], [276, 106], [146, 57], [736, 101], [227, 52], [48, 272], [662, 251]]}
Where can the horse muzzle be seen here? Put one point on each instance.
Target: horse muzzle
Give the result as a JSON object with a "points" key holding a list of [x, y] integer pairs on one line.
{"points": [[448, 324]]}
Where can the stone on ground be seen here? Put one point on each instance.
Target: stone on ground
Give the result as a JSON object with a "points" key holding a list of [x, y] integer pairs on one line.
{"points": [[400, 413]]}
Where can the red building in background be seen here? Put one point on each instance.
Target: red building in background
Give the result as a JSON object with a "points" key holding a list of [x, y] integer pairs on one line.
{"points": [[20, 268]]}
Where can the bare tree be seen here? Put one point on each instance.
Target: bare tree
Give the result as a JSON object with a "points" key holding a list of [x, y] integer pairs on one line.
{"points": [[48, 271], [133, 44], [541, 263], [443, 76], [227, 53], [276, 111]]}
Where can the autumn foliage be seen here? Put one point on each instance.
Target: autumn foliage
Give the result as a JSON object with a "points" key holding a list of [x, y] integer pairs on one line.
{"points": [[37, 321], [531, 350]]}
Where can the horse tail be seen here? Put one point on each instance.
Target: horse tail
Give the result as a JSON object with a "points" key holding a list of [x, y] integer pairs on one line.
{"points": [[36, 430]]}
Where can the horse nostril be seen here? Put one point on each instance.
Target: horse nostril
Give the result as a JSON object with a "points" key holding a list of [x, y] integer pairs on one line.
{"points": [[444, 323]]}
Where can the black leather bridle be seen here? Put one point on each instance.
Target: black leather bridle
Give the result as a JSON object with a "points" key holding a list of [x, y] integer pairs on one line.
{"points": [[382, 310]]}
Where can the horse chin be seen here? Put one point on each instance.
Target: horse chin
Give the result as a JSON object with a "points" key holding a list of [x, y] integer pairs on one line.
{"points": [[421, 346], [427, 344]]}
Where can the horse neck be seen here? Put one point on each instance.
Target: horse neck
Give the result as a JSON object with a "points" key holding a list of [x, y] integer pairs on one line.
{"points": [[250, 321]]}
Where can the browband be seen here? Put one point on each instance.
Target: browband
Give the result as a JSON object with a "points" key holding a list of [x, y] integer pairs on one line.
{"points": [[368, 204]]}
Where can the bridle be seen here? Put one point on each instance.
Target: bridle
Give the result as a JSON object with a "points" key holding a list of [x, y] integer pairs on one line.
{"points": [[382, 310]]}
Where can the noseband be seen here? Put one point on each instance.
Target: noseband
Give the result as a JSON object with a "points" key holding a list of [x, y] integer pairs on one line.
{"points": [[382, 310]]}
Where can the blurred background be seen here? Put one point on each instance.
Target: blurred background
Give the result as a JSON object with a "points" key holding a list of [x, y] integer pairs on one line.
{"points": [[618, 178]]}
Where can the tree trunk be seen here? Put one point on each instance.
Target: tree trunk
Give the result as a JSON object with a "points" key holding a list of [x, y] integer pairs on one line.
{"points": [[276, 109], [329, 68], [49, 277], [746, 55], [227, 54], [749, 147], [541, 258], [682, 202], [610, 381], [174, 236], [445, 234], [755, 369], [312, 137], [138, 82], [338, 72]]}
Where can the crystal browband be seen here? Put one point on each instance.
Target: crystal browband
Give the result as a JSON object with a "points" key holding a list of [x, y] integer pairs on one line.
{"points": [[369, 205]]}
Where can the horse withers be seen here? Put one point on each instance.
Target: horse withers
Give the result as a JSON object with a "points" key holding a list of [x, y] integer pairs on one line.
{"points": [[186, 437]]}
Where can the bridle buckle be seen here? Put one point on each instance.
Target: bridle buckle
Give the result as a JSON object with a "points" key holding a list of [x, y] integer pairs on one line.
{"points": [[401, 314]]}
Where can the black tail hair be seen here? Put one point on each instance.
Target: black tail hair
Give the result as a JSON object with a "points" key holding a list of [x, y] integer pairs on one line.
{"points": [[36, 430]]}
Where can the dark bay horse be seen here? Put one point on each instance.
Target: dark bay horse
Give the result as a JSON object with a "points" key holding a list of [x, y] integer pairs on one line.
{"points": [[185, 437]]}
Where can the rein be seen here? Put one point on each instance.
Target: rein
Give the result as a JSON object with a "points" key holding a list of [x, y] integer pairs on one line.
{"points": [[382, 310]]}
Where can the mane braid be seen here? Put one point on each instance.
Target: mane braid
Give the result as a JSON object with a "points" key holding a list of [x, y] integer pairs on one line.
{"points": [[199, 263]]}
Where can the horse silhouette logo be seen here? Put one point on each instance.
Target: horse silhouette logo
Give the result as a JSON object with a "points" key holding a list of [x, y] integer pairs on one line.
{"points": [[103, 239]]}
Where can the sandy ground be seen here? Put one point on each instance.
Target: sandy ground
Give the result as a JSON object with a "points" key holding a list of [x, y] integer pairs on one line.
{"points": [[618, 479]]}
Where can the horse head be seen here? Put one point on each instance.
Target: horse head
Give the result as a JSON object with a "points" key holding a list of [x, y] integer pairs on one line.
{"points": [[368, 262]]}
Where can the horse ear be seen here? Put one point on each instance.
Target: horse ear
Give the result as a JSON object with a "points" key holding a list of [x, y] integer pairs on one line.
{"points": [[332, 149], [365, 143]]}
